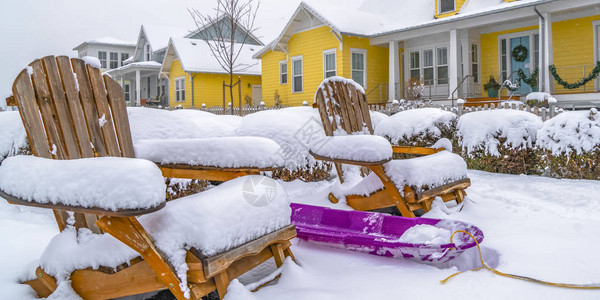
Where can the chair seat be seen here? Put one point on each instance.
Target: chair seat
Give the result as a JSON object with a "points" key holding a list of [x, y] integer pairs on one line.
{"points": [[421, 172], [212, 222], [107, 183], [221, 152], [361, 148]]}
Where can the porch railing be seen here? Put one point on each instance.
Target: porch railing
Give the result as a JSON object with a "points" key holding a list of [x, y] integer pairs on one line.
{"points": [[573, 74], [378, 94]]}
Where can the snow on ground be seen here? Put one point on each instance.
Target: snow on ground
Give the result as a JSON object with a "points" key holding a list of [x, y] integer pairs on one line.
{"points": [[534, 226]]}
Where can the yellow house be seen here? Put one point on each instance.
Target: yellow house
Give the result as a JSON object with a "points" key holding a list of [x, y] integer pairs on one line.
{"points": [[452, 47]]}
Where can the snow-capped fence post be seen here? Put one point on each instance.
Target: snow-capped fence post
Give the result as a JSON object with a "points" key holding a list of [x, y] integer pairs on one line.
{"points": [[552, 108], [459, 104], [261, 106]]}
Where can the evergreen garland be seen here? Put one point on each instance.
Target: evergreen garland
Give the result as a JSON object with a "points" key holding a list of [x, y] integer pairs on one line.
{"points": [[582, 81], [532, 80]]}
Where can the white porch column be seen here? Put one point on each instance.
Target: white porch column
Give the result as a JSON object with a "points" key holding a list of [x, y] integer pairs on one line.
{"points": [[453, 60], [394, 71], [546, 57], [138, 88]]}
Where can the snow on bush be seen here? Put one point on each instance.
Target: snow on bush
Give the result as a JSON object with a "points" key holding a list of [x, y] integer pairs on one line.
{"points": [[577, 131], [13, 138], [571, 142], [487, 130], [418, 127]]}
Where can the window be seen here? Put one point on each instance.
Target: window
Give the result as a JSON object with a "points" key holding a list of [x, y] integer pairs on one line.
{"points": [[180, 89], [442, 65], [446, 6], [428, 66], [127, 91], [114, 60], [415, 72], [102, 58], [358, 65], [124, 57], [297, 74], [283, 72], [503, 61], [148, 52], [536, 51], [329, 69], [475, 63]]}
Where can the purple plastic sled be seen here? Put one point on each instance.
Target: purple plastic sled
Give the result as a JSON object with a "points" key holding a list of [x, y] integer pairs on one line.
{"points": [[377, 233]]}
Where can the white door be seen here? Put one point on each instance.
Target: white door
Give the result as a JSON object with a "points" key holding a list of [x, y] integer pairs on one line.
{"points": [[256, 95]]}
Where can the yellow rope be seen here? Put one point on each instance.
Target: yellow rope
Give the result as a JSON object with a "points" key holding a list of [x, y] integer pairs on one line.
{"points": [[487, 267]]}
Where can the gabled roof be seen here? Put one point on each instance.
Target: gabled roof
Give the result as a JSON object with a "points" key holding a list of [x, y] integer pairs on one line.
{"points": [[195, 57], [110, 41], [255, 40], [158, 36]]}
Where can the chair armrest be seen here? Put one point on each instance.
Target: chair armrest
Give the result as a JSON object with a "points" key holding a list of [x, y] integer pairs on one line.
{"points": [[416, 150], [348, 161]]}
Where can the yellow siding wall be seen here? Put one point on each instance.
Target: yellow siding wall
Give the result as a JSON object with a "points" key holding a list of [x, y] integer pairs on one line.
{"points": [[270, 77], [459, 4], [208, 88], [489, 54], [310, 45], [377, 65], [573, 45]]}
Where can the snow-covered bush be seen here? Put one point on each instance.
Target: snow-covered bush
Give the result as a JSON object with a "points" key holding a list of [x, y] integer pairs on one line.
{"points": [[500, 141], [13, 139], [418, 127], [294, 129], [571, 142]]}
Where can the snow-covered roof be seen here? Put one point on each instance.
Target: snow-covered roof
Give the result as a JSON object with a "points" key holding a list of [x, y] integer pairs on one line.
{"points": [[141, 65], [107, 41], [195, 56], [370, 18], [158, 36]]}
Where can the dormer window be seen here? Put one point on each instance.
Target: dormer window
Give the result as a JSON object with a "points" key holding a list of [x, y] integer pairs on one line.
{"points": [[446, 6], [148, 52]]}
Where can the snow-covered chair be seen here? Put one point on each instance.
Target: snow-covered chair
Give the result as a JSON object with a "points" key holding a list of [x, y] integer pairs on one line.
{"points": [[408, 184], [118, 235]]}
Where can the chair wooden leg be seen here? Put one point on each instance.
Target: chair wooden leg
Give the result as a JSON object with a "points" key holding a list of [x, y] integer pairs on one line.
{"points": [[393, 191], [332, 198], [288, 253], [129, 231], [222, 282], [278, 255], [460, 195], [44, 285]]}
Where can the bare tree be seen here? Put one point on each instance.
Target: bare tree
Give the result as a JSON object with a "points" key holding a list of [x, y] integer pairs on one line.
{"points": [[231, 19]]}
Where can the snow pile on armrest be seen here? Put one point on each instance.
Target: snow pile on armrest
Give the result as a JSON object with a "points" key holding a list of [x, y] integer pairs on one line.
{"points": [[367, 148], [489, 129], [415, 122], [577, 131], [110, 183], [223, 152], [235, 212]]}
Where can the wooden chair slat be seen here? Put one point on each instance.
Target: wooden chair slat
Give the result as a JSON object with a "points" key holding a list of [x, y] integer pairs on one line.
{"points": [[89, 107], [356, 107], [45, 103], [116, 98], [322, 112], [61, 107], [77, 117], [346, 106], [108, 129], [362, 100], [30, 115]]}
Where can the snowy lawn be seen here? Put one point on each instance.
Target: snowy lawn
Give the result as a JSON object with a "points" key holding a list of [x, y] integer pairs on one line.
{"points": [[534, 226]]}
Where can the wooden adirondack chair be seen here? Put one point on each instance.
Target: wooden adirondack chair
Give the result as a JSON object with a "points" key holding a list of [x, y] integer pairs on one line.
{"points": [[343, 106], [60, 112]]}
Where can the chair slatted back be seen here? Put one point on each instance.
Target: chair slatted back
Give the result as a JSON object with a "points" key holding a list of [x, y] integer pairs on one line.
{"points": [[343, 106], [69, 111]]}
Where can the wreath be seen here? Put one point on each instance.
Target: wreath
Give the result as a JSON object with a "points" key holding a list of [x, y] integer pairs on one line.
{"points": [[520, 53]]}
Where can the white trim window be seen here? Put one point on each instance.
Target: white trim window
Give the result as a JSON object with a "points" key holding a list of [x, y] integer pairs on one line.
{"points": [[114, 60], [446, 6], [124, 57], [442, 65], [297, 74], [127, 91], [180, 89], [283, 73], [503, 60], [415, 70], [428, 66], [358, 65], [102, 58], [329, 65], [475, 62]]}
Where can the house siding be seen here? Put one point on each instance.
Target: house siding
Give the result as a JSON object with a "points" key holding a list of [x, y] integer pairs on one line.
{"points": [[573, 45], [377, 65], [270, 75], [208, 87]]}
